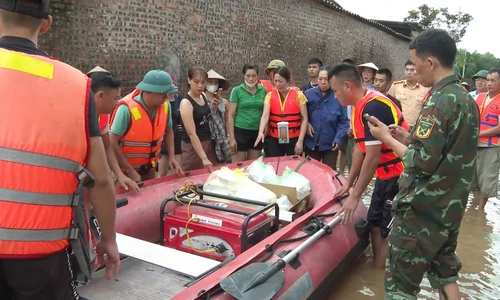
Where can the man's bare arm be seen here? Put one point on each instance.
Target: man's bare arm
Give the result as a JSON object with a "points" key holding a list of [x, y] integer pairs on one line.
{"points": [[102, 195]]}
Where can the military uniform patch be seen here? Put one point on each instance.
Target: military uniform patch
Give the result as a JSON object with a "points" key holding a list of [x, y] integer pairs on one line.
{"points": [[424, 127]]}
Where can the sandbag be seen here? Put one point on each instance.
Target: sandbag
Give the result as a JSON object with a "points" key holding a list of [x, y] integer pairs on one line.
{"points": [[260, 172], [236, 183], [293, 179]]}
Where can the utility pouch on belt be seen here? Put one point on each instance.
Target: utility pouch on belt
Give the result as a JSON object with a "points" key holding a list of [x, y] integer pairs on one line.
{"points": [[283, 136], [80, 243]]}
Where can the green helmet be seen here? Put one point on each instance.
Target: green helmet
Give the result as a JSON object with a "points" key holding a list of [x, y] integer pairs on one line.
{"points": [[274, 64], [480, 74]]}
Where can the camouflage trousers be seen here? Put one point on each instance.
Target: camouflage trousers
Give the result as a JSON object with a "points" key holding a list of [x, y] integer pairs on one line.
{"points": [[418, 245]]}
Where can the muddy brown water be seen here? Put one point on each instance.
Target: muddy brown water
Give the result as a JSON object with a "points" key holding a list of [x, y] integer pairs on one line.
{"points": [[478, 249]]}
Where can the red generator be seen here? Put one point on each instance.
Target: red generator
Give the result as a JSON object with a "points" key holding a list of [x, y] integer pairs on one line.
{"points": [[215, 229]]}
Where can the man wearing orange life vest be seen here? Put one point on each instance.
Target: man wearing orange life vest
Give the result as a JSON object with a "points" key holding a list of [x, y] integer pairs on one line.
{"points": [[138, 127], [485, 180], [370, 157], [45, 164], [107, 89]]}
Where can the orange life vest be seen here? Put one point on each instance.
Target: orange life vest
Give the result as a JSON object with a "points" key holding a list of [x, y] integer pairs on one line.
{"points": [[287, 111], [43, 150], [267, 85], [103, 121], [142, 142], [390, 164], [489, 117]]}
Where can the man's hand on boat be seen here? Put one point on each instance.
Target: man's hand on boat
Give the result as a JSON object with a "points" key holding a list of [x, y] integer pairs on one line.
{"points": [[341, 191], [132, 174], [124, 182], [173, 164], [107, 254], [208, 164], [349, 208]]}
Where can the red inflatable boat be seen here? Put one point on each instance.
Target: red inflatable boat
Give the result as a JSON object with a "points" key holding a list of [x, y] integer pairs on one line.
{"points": [[231, 251]]}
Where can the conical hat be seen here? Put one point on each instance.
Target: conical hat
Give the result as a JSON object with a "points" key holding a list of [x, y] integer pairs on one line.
{"points": [[97, 70], [368, 65], [223, 82]]}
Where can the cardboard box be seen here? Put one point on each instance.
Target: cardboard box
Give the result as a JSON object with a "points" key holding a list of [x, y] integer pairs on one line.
{"points": [[291, 193]]}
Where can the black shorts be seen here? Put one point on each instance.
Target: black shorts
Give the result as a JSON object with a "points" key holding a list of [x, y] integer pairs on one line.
{"points": [[177, 142], [46, 278], [275, 149], [379, 213], [245, 139]]}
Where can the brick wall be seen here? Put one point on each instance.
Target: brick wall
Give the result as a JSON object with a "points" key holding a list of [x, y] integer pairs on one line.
{"points": [[130, 37]]}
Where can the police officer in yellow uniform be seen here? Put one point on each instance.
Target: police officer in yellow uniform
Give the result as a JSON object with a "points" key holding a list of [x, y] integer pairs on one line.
{"points": [[410, 93]]}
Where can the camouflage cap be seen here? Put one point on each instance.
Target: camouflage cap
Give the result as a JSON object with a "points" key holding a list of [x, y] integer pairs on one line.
{"points": [[274, 64], [481, 74]]}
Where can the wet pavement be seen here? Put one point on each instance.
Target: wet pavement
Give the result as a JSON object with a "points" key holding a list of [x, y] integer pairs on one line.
{"points": [[478, 248]]}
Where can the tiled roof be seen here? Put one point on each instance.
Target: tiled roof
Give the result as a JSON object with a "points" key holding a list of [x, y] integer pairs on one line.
{"points": [[334, 5]]}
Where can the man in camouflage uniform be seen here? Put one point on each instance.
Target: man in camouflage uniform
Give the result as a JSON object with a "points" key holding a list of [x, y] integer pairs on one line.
{"points": [[439, 164]]}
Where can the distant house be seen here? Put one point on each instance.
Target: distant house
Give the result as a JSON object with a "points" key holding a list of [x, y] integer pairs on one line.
{"points": [[405, 28]]}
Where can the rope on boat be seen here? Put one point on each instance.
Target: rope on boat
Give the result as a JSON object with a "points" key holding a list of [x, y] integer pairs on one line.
{"points": [[189, 186]]}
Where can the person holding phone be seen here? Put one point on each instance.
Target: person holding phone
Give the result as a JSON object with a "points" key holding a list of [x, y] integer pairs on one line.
{"points": [[370, 156], [216, 84]]}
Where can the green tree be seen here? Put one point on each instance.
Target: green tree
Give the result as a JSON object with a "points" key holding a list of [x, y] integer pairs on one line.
{"points": [[429, 17], [475, 61]]}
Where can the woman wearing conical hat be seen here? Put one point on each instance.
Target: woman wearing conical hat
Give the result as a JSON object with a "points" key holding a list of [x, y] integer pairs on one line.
{"points": [[368, 71]]}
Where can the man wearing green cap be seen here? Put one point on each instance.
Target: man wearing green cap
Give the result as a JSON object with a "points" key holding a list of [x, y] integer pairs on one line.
{"points": [[138, 127], [271, 69], [480, 83]]}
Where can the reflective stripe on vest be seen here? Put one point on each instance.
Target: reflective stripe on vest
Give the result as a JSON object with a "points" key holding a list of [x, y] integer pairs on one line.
{"points": [[141, 144], [43, 150], [489, 117], [284, 111], [390, 164]]}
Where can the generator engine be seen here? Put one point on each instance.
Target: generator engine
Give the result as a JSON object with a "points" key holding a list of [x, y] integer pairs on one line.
{"points": [[216, 230]]}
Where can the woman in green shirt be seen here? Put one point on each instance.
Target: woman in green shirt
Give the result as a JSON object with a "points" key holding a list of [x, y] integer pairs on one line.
{"points": [[245, 111]]}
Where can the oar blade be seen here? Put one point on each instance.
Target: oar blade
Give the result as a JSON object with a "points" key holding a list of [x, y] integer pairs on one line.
{"points": [[236, 284]]}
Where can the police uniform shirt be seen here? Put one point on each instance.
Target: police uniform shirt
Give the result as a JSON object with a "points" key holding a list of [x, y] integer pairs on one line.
{"points": [[410, 98]]}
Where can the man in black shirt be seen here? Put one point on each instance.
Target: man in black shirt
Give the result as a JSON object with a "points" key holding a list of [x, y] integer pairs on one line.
{"points": [[50, 277], [382, 83], [313, 67]]}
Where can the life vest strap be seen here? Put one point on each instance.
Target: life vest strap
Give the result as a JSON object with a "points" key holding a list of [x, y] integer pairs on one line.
{"points": [[21, 235], [37, 198], [39, 160], [289, 128], [141, 144], [284, 115], [390, 162]]}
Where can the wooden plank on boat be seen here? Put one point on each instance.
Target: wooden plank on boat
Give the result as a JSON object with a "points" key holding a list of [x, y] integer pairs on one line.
{"points": [[136, 280], [178, 261]]}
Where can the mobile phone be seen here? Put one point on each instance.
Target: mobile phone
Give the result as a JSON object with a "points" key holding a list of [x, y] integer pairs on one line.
{"points": [[367, 117]]}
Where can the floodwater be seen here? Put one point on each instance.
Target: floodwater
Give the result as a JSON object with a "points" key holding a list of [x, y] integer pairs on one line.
{"points": [[478, 248]]}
